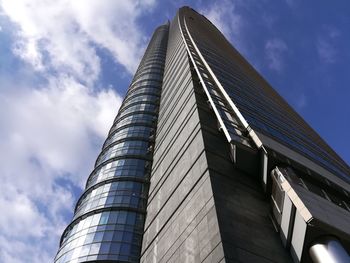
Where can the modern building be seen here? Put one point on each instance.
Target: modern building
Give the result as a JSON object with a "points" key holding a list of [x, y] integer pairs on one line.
{"points": [[206, 162]]}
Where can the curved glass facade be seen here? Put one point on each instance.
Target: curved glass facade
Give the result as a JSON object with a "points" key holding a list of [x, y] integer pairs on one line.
{"points": [[109, 216]]}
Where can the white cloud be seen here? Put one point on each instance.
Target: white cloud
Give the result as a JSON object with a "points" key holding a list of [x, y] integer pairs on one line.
{"points": [[225, 17], [66, 33], [291, 3], [28, 220], [64, 114], [47, 135], [274, 51], [326, 52], [301, 101], [326, 45], [50, 133]]}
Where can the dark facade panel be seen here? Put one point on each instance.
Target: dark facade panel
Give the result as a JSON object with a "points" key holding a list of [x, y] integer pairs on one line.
{"points": [[264, 109], [181, 223]]}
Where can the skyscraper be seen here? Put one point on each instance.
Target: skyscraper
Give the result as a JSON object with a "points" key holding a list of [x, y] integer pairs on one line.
{"points": [[205, 162]]}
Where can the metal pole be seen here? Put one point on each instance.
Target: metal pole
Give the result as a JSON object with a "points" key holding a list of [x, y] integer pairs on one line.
{"points": [[328, 250]]}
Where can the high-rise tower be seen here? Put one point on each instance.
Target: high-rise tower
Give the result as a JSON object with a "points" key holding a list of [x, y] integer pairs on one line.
{"points": [[109, 216], [223, 170]]}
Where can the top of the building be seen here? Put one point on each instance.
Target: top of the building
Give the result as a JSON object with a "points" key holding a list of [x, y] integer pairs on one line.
{"points": [[277, 125]]}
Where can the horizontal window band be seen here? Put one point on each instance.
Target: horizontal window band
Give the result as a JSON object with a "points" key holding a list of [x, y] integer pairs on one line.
{"points": [[99, 211], [119, 158], [112, 180]]}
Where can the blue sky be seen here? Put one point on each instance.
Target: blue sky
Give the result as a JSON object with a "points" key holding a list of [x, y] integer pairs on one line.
{"points": [[65, 66]]}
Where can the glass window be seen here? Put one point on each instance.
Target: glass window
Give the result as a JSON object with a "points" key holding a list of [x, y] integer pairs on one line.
{"points": [[104, 249], [101, 239], [118, 236], [104, 218], [127, 237], [122, 217], [89, 238], [132, 168], [98, 237], [137, 98], [139, 107], [108, 236], [84, 250], [95, 248], [128, 132], [130, 147], [144, 89], [131, 219], [115, 248], [125, 249]]}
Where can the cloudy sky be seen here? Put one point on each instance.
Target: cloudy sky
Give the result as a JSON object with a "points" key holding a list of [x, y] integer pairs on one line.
{"points": [[65, 66]]}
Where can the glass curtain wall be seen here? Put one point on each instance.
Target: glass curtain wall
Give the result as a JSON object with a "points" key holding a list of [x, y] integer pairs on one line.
{"points": [[109, 216]]}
